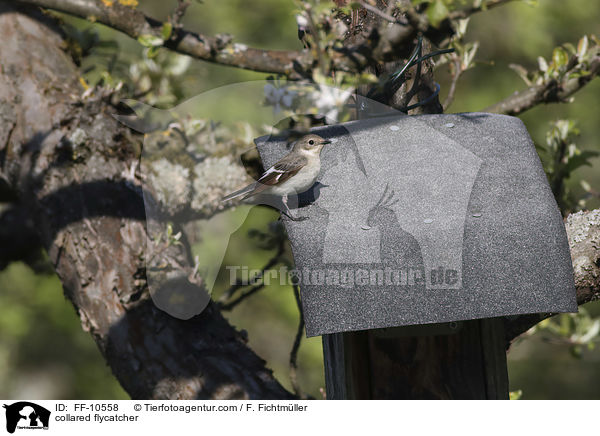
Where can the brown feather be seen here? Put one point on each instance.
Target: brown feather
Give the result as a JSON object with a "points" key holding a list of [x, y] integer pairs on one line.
{"points": [[287, 167]]}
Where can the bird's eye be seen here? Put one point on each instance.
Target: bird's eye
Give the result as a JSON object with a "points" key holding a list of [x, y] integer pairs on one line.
{"points": [[311, 142]]}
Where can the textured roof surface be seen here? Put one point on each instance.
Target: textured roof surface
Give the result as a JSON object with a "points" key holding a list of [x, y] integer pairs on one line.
{"points": [[427, 219]]}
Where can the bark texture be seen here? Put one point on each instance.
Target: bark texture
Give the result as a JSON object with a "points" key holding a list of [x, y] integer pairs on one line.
{"points": [[69, 163]]}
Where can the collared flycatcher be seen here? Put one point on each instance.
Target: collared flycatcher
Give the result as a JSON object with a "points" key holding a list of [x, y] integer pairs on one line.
{"points": [[293, 174]]}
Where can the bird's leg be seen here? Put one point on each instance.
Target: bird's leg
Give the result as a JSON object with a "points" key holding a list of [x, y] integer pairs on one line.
{"points": [[287, 212]]}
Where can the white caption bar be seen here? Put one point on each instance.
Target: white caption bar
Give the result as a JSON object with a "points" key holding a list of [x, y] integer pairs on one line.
{"points": [[461, 418]]}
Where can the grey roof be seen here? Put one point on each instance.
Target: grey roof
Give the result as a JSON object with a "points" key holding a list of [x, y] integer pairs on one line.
{"points": [[449, 217]]}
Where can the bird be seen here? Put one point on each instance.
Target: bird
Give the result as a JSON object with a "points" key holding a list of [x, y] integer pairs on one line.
{"points": [[293, 174]]}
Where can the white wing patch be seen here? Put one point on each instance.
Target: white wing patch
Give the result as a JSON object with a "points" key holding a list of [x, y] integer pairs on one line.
{"points": [[271, 171]]}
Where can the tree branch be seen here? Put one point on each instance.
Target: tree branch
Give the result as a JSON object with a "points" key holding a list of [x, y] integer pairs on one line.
{"points": [[383, 44], [550, 92], [232, 304], [452, 91], [381, 14], [485, 5], [179, 12], [134, 23], [225, 301]]}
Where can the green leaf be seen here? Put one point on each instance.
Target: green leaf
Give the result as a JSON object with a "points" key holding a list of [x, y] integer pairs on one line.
{"points": [[516, 395], [324, 7], [366, 78], [522, 72], [194, 126], [151, 52], [570, 47], [461, 27], [576, 351], [469, 55], [437, 12], [166, 31], [581, 159], [585, 186], [149, 40], [578, 74], [560, 57], [582, 47]]}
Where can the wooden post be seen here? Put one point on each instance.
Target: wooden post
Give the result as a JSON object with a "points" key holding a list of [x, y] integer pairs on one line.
{"points": [[465, 360]]}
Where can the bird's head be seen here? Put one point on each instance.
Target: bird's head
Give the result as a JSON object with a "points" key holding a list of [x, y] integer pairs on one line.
{"points": [[311, 144]]}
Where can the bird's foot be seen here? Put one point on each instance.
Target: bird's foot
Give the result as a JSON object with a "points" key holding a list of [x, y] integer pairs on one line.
{"points": [[292, 217], [298, 218]]}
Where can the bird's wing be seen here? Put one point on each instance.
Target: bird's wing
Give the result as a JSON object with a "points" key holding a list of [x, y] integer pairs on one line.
{"points": [[287, 167], [280, 172]]}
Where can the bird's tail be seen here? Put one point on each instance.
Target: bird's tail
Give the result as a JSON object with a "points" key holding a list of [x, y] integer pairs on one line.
{"points": [[239, 193]]}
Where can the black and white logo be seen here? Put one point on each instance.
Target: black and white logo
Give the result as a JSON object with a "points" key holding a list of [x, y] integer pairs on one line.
{"points": [[26, 415]]}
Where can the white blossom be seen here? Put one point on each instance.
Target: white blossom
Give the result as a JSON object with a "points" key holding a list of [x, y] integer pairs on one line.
{"points": [[278, 97], [329, 101]]}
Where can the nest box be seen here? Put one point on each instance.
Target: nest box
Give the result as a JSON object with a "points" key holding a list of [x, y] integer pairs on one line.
{"points": [[427, 219]]}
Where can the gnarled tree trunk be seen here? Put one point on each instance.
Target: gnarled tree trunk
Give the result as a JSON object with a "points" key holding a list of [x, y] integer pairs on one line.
{"points": [[68, 162]]}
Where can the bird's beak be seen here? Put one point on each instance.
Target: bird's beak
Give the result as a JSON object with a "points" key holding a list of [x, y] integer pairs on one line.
{"points": [[325, 141]]}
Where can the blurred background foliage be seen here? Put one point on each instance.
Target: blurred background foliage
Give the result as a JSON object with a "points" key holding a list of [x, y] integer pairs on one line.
{"points": [[45, 354]]}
